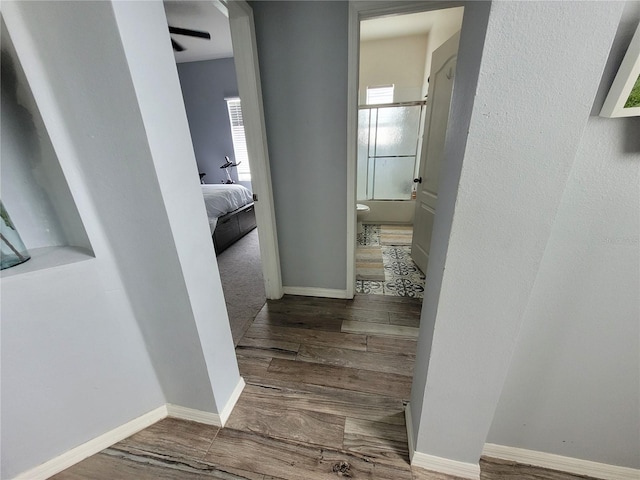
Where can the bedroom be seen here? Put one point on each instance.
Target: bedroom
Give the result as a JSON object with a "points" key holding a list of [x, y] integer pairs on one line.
{"points": [[210, 91]]}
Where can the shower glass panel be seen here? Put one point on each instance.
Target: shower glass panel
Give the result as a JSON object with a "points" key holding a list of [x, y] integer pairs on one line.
{"points": [[393, 177], [387, 150], [397, 131]]}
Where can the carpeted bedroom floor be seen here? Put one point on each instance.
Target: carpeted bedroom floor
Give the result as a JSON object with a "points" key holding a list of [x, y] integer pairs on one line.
{"points": [[242, 283]]}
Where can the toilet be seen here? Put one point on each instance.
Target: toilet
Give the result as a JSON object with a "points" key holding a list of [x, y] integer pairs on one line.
{"points": [[362, 211]]}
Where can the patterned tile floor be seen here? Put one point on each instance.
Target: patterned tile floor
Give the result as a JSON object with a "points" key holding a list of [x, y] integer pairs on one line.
{"points": [[402, 277]]}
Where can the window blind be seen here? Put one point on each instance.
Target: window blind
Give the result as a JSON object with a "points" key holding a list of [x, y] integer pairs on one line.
{"points": [[238, 138], [380, 95]]}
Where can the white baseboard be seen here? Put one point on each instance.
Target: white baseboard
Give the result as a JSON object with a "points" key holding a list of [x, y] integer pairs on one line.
{"points": [[445, 465], [409, 425], [79, 453], [437, 464], [558, 462], [228, 408], [315, 292], [193, 415]]}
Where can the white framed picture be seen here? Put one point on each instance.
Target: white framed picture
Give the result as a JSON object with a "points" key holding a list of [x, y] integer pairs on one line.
{"points": [[623, 99]]}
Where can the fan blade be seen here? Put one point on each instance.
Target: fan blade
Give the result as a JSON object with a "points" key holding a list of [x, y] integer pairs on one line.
{"points": [[176, 46], [189, 33]]}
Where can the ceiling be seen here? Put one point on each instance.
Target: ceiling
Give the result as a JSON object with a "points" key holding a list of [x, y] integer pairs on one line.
{"points": [[203, 15], [410, 24]]}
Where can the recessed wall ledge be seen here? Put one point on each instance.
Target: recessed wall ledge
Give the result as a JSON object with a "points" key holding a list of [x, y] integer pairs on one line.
{"points": [[47, 258]]}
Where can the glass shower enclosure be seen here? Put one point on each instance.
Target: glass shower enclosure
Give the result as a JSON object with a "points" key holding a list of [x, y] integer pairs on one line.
{"points": [[388, 138]]}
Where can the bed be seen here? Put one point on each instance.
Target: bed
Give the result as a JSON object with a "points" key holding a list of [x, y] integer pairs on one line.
{"points": [[230, 211]]}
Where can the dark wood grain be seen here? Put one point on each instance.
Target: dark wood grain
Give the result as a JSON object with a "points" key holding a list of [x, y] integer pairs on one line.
{"points": [[324, 323], [340, 377], [111, 464], [367, 315], [496, 469], [335, 401], [309, 337], [376, 362], [385, 442], [253, 367], [405, 319], [280, 420], [402, 346], [294, 461], [368, 328], [173, 437], [267, 348], [319, 404]]}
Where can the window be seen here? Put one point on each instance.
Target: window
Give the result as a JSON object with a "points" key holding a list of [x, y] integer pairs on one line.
{"points": [[239, 141], [379, 95]]}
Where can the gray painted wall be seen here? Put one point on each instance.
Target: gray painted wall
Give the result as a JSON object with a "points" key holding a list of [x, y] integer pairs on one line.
{"points": [[205, 85], [302, 49], [573, 384]]}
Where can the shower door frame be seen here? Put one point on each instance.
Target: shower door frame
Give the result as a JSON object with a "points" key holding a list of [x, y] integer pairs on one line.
{"points": [[417, 103]]}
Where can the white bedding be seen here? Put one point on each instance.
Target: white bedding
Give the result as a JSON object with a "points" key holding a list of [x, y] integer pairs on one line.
{"points": [[222, 199]]}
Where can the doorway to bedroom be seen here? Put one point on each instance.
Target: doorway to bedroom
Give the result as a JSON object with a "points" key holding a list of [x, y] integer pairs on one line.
{"points": [[403, 100], [201, 39]]}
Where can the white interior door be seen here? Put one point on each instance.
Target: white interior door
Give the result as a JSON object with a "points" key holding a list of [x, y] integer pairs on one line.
{"points": [[443, 68]]}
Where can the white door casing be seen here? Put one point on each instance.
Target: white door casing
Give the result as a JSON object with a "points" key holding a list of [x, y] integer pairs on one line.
{"points": [[443, 68], [245, 56]]}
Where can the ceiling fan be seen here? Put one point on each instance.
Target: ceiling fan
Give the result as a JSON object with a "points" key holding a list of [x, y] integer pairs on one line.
{"points": [[189, 33]]}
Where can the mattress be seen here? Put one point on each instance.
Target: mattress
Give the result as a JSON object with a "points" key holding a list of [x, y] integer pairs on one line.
{"points": [[222, 199]]}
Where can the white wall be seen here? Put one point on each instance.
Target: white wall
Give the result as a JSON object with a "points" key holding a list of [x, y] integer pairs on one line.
{"points": [[440, 33], [141, 24], [91, 345], [34, 190], [502, 182], [399, 61], [573, 384]]}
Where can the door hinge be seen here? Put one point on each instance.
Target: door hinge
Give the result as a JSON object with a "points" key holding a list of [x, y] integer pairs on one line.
{"points": [[255, 197]]}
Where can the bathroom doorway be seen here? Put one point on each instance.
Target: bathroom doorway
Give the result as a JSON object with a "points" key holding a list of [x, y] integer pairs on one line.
{"points": [[393, 120]]}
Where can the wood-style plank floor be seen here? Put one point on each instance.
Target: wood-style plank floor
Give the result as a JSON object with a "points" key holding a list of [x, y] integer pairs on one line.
{"points": [[325, 395]]}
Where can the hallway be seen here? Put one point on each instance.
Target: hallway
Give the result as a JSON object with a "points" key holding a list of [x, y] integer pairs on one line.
{"points": [[319, 403]]}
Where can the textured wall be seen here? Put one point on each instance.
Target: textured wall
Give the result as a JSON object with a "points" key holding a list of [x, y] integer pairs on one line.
{"points": [[530, 108], [89, 346], [573, 387]]}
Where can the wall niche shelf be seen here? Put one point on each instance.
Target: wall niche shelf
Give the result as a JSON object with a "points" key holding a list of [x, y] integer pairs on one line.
{"points": [[35, 189]]}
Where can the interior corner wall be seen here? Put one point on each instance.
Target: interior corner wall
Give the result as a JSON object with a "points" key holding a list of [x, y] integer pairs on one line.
{"points": [[302, 51], [206, 323], [89, 346], [205, 85], [520, 145], [573, 385], [74, 363], [398, 61]]}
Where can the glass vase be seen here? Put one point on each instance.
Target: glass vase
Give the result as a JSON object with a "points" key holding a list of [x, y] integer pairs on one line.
{"points": [[12, 250]]}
